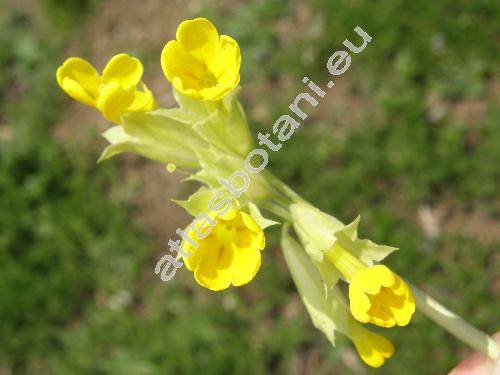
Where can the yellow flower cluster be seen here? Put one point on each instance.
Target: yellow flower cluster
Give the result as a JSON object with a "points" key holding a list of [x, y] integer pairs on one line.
{"points": [[224, 248]]}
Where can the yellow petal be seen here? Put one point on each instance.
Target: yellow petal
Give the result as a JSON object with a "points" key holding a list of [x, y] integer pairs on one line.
{"points": [[258, 240], [198, 37], [246, 262], [371, 347], [244, 238], [143, 101], [77, 92], [359, 304], [123, 69], [178, 86], [230, 214], [208, 272], [115, 101], [227, 65], [373, 278], [80, 80], [403, 311], [176, 62], [250, 222], [215, 92]]}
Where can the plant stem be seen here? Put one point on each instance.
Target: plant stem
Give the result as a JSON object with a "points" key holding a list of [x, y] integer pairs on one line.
{"points": [[284, 189], [455, 325], [278, 209]]}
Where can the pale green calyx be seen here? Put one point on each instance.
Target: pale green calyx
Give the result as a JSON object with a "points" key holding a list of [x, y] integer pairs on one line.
{"points": [[319, 232], [327, 313], [161, 135], [223, 123]]}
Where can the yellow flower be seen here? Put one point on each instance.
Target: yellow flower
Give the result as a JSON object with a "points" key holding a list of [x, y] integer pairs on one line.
{"points": [[371, 347], [376, 294], [200, 63], [229, 254], [114, 92], [379, 296], [327, 306]]}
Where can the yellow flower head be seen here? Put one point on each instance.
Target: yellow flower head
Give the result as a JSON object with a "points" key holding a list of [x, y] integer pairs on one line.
{"points": [[200, 63], [371, 347], [379, 296], [229, 254], [112, 93]]}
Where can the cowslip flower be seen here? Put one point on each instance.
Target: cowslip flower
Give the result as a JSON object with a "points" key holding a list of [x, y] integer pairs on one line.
{"points": [[229, 254], [200, 63], [327, 306], [376, 294], [113, 93]]}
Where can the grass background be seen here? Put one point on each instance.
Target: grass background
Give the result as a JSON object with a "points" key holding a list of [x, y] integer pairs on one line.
{"points": [[408, 138]]}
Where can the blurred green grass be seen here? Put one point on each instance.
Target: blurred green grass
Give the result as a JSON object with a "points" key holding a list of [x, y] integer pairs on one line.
{"points": [[77, 294]]}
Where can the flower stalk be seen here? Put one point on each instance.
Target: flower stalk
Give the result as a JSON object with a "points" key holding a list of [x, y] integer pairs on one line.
{"points": [[455, 325]]}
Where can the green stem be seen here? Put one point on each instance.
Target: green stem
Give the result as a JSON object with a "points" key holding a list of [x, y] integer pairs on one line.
{"points": [[455, 325], [283, 189], [278, 209]]}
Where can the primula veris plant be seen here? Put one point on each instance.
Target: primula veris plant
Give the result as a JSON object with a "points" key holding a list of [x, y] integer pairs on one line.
{"points": [[207, 139]]}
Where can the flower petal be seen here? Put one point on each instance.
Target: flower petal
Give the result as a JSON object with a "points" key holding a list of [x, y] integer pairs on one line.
{"points": [[246, 263], [143, 101], [371, 347], [359, 304], [207, 273], [373, 278], [250, 222], [199, 37], [227, 65], [123, 69], [79, 79], [115, 100], [176, 62]]}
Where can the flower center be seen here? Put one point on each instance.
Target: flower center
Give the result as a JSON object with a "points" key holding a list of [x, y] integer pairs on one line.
{"points": [[208, 79], [384, 304], [226, 233]]}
